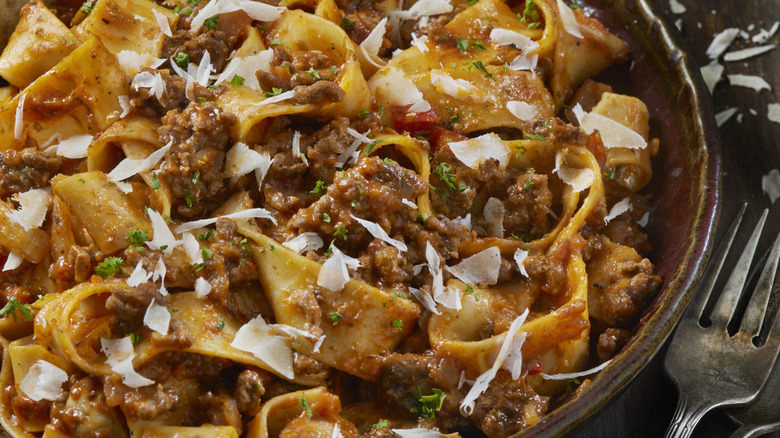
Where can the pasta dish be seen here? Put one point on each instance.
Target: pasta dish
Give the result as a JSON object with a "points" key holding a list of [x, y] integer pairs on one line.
{"points": [[314, 218]]}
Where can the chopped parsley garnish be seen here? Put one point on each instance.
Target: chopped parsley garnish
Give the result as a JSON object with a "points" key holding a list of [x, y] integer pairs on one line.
{"points": [[109, 266], [469, 289], [463, 45], [309, 412], [88, 6], [320, 188], [137, 238], [237, 81], [196, 177], [481, 67], [276, 43], [397, 323], [530, 13], [444, 170], [371, 146], [572, 384], [341, 231], [211, 22], [388, 161], [274, 92], [363, 112], [574, 6], [428, 405], [206, 236], [206, 253], [335, 317], [534, 136], [610, 173], [243, 245], [326, 218], [135, 338], [182, 59], [454, 117], [201, 100], [221, 325], [380, 425], [155, 182], [188, 198], [347, 25], [528, 184], [13, 306]]}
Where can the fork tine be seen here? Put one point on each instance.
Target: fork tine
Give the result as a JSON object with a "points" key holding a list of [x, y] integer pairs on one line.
{"points": [[756, 309], [714, 266], [727, 302]]}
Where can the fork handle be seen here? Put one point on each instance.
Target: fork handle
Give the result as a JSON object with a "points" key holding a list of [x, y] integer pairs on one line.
{"points": [[686, 416]]}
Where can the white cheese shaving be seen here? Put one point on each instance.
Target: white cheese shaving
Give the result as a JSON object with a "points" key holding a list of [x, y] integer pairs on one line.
{"points": [[613, 134], [159, 274], [514, 359], [494, 215], [712, 73], [463, 380], [351, 154], [749, 81], [739, 55], [678, 23], [376, 230], [419, 42], [334, 273], [293, 333], [305, 242], [568, 20], [677, 7], [568, 376], [259, 213], [192, 248], [43, 381], [522, 110], [247, 68], [483, 381], [134, 62], [458, 88], [33, 205], [139, 275], [202, 287], [425, 299], [723, 116], [773, 112], [255, 337], [275, 99], [391, 85], [13, 261], [482, 267], [524, 62], [373, 42], [619, 208], [162, 21], [119, 356], [418, 433], [475, 151], [764, 35], [296, 148], [578, 178], [19, 118], [642, 222], [511, 38], [152, 81], [157, 318], [408, 203], [241, 159], [447, 297], [162, 237], [465, 221], [424, 8], [124, 103], [202, 72], [256, 10], [74, 147], [520, 256], [336, 432], [770, 184], [721, 41]]}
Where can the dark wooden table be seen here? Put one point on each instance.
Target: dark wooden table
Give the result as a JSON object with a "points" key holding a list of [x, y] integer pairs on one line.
{"points": [[750, 146]]}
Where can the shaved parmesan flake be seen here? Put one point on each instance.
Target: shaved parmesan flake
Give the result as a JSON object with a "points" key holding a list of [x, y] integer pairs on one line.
{"points": [[259, 213], [424, 8], [763, 35], [723, 116], [13, 261], [255, 337], [256, 10], [275, 99], [578, 178], [296, 148], [351, 154], [334, 273], [418, 433], [134, 62], [419, 42], [119, 356], [522, 110], [567, 376], [43, 381], [524, 62], [463, 380], [124, 103], [247, 67], [241, 159], [425, 299], [408, 203], [336, 432], [465, 221], [520, 256], [770, 184], [642, 222], [712, 73], [75, 147], [457, 88], [509, 37], [162, 21], [619, 208], [391, 85], [721, 42], [514, 360], [19, 118], [494, 215], [157, 318], [446, 297], [152, 81], [33, 205], [482, 267], [739, 55], [749, 81], [129, 167], [677, 7], [162, 238], [375, 230], [159, 271], [475, 151], [568, 20], [483, 381], [192, 248], [373, 42], [202, 287], [139, 275], [773, 112], [293, 333], [613, 134], [309, 241]]}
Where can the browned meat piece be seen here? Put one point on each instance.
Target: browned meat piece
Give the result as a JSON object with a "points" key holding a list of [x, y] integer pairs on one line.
{"points": [[173, 98], [385, 265], [628, 234], [443, 234], [24, 170], [319, 92], [27, 409], [219, 45], [145, 403], [175, 273], [527, 204], [220, 409], [88, 414], [73, 266], [440, 34], [507, 406], [250, 388], [193, 166], [231, 262], [550, 270], [129, 305], [610, 342], [623, 300]]}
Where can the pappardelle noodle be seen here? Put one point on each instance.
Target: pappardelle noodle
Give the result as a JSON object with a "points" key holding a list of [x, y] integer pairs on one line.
{"points": [[330, 218]]}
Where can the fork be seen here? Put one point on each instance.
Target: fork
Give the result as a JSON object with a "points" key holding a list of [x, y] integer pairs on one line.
{"points": [[709, 367]]}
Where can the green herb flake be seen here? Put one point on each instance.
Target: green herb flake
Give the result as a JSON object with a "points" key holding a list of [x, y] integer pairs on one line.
{"points": [[13, 306], [463, 45], [341, 231], [188, 198], [155, 182], [109, 266], [182, 59], [309, 412], [326, 218], [575, 6], [88, 6], [237, 81], [137, 238], [274, 92], [445, 172], [196, 177], [428, 405], [469, 289], [335, 317], [221, 325], [275, 43], [211, 22], [206, 253], [135, 338], [380, 425], [347, 25], [320, 188], [481, 67], [206, 236], [610, 173], [397, 324], [527, 185], [371, 146], [534, 136]]}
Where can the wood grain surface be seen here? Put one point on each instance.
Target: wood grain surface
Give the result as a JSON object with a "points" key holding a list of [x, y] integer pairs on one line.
{"points": [[750, 145]]}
